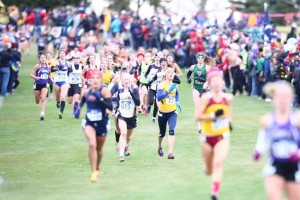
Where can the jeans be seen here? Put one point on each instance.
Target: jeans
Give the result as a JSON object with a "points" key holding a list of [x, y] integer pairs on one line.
{"points": [[4, 77], [254, 86]]}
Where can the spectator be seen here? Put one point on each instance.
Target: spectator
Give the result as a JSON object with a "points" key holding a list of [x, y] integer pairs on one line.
{"points": [[5, 59]]}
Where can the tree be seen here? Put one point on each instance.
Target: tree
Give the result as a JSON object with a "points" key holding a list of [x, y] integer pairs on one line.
{"points": [[201, 5], [119, 5], [48, 4], [256, 6]]}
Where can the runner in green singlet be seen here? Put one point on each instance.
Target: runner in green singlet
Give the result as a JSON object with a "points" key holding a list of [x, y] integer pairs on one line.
{"points": [[199, 71]]}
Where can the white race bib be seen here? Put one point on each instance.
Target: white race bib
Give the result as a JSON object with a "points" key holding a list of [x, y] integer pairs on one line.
{"points": [[44, 76], [220, 123], [170, 100], [94, 115], [284, 149]]}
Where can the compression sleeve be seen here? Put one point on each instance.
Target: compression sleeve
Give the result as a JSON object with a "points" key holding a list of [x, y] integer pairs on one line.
{"points": [[188, 75], [176, 80], [263, 143], [177, 96], [135, 96], [161, 95], [82, 101]]}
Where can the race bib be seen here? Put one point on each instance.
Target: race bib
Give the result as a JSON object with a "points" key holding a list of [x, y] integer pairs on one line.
{"points": [[284, 149], [94, 115], [44, 76], [220, 123], [126, 105], [60, 77], [170, 100], [74, 79]]}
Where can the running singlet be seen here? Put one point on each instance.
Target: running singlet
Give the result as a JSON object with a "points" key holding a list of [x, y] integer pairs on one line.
{"points": [[284, 139], [220, 125], [199, 73], [62, 74], [168, 104], [144, 68], [43, 72], [126, 104], [106, 77], [95, 109], [154, 70], [74, 76]]}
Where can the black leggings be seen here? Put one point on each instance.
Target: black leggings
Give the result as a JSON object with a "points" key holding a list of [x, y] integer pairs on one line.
{"points": [[163, 120], [152, 101]]}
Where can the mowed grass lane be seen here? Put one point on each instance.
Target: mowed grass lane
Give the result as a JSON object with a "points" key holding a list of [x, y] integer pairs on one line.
{"points": [[48, 159]]}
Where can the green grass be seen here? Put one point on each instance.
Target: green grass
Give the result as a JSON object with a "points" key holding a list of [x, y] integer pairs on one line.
{"points": [[48, 160]]}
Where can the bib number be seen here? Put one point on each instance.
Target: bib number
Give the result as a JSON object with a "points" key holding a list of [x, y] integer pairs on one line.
{"points": [[94, 115], [284, 149], [126, 105], [220, 123], [170, 100], [44, 76]]}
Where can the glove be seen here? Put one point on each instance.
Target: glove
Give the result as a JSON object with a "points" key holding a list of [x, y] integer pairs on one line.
{"points": [[219, 112], [178, 106], [256, 156], [230, 127], [77, 113], [189, 81], [172, 87], [294, 158]]}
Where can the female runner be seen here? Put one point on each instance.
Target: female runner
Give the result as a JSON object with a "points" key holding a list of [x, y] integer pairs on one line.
{"points": [[280, 135], [214, 113], [199, 71], [41, 75], [168, 98], [98, 100]]}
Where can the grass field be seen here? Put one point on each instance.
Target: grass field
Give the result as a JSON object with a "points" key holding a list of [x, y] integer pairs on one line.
{"points": [[48, 160]]}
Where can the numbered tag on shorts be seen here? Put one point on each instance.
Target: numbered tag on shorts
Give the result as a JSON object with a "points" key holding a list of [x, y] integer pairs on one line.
{"points": [[34, 86]]}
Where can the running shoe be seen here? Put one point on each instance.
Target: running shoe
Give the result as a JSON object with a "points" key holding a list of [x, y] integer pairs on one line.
{"points": [[153, 120], [149, 109], [94, 177], [127, 152], [171, 156], [42, 117], [145, 112], [60, 115], [58, 104], [160, 152], [213, 197], [121, 158]]}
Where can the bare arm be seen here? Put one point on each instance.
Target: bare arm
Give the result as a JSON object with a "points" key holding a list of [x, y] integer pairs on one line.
{"points": [[200, 115], [32, 74]]}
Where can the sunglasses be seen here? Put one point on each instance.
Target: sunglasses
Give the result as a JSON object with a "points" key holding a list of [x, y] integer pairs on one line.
{"points": [[201, 57], [76, 57]]}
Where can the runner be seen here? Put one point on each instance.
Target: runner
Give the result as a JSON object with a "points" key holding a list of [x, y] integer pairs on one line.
{"points": [[279, 134], [168, 98], [41, 74], [98, 100], [75, 82], [143, 82], [214, 113], [61, 85], [127, 100], [199, 71]]}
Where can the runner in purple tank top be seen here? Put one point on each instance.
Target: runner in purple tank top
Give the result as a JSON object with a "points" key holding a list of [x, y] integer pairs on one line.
{"points": [[280, 135], [41, 75]]}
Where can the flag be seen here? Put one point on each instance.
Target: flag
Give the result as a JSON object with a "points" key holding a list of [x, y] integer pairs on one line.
{"points": [[267, 24]]}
